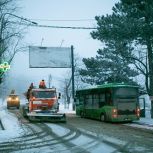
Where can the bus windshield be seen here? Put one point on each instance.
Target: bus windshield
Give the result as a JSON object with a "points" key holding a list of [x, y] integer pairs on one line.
{"points": [[44, 94], [124, 92]]}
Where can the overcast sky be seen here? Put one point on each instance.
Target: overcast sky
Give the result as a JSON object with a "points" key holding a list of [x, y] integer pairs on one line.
{"points": [[42, 10], [51, 12]]}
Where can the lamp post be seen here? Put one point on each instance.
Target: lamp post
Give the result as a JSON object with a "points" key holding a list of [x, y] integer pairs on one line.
{"points": [[25, 19]]}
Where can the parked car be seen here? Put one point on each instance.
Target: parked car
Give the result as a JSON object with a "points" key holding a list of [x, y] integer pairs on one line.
{"points": [[13, 100]]}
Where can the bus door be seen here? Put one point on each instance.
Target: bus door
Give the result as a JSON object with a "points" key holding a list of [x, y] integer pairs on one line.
{"points": [[142, 107], [108, 98], [88, 105], [95, 113], [79, 102]]}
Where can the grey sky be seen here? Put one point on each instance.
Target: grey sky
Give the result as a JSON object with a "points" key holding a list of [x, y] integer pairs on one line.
{"points": [[65, 10]]}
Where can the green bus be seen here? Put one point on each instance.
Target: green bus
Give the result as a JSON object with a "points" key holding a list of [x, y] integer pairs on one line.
{"points": [[114, 102]]}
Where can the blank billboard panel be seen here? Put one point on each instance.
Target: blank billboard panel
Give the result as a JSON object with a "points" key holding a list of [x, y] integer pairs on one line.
{"points": [[49, 57]]}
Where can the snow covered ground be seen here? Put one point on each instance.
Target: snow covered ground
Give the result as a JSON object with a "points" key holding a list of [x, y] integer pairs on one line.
{"points": [[11, 125], [13, 128]]}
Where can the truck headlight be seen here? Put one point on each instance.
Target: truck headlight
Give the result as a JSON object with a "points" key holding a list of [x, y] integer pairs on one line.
{"points": [[16, 98], [9, 98]]}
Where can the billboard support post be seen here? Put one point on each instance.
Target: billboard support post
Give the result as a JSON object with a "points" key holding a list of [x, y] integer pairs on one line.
{"points": [[73, 88]]}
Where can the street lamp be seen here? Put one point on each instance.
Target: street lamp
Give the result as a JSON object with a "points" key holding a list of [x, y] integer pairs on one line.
{"points": [[35, 23], [23, 18]]}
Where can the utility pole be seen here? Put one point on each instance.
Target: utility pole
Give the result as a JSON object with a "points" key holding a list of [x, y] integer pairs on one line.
{"points": [[49, 80], [73, 87]]}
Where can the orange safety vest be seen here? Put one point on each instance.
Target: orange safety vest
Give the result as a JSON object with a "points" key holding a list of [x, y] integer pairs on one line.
{"points": [[42, 83]]}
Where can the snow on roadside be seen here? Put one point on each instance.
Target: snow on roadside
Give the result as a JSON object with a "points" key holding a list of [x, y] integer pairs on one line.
{"points": [[12, 127], [63, 108]]}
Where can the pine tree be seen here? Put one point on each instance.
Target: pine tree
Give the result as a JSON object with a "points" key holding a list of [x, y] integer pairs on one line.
{"points": [[131, 27], [108, 66]]}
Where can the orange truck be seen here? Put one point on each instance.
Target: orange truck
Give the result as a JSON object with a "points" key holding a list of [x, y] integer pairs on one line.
{"points": [[43, 106]]}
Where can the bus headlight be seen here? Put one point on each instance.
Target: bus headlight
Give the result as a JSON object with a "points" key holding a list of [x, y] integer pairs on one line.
{"points": [[114, 113]]}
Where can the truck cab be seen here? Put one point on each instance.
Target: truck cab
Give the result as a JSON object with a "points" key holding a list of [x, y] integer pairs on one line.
{"points": [[43, 100]]}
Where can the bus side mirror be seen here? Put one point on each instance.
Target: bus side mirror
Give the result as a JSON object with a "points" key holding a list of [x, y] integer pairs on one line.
{"points": [[59, 95]]}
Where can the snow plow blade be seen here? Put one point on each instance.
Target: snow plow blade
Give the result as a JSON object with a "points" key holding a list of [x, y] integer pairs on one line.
{"points": [[34, 117]]}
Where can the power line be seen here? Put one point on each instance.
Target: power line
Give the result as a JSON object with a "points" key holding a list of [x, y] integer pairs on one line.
{"points": [[77, 20], [35, 24], [22, 18], [57, 27], [62, 27]]}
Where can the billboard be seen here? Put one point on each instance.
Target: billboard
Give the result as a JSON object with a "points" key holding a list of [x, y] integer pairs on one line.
{"points": [[49, 57]]}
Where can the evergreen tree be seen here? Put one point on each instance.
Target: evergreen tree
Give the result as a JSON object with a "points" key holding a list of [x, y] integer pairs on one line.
{"points": [[141, 12], [108, 66], [127, 30]]}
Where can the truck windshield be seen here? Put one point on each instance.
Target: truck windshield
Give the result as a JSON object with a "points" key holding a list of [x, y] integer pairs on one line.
{"points": [[44, 94]]}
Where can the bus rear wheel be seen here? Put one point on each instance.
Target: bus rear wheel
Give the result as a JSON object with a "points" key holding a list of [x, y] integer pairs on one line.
{"points": [[82, 114], [103, 117]]}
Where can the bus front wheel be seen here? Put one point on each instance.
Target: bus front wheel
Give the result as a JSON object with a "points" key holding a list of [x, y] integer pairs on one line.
{"points": [[103, 117]]}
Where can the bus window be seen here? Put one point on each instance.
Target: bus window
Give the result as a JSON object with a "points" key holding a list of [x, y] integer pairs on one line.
{"points": [[95, 101], [101, 100], [88, 101]]}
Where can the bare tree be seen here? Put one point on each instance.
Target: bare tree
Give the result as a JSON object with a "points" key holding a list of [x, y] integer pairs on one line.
{"points": [[67, 90], [67, 86], [10, 33]]}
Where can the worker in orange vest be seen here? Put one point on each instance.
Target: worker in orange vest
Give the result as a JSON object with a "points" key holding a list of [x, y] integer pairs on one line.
{"points": [[42, 84]]}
